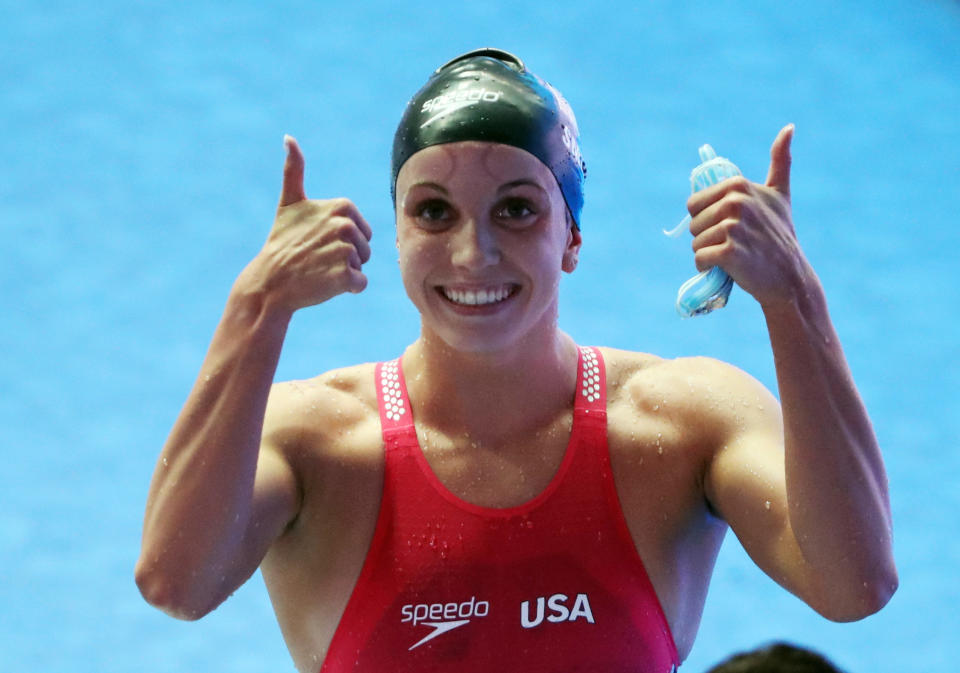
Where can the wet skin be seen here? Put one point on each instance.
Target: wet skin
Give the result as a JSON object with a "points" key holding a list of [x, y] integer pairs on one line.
{"points": [[288, 477], [489, 220]]}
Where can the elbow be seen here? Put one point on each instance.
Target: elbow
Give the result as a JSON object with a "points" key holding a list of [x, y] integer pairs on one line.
{"points": [[881, 589], [868, 597], [164, 592]]}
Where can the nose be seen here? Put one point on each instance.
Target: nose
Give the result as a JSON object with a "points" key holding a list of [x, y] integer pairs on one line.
{"points": [[475, 245]]}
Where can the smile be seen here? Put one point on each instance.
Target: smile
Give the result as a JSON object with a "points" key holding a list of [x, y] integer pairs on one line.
{"points": [[479, 297]]}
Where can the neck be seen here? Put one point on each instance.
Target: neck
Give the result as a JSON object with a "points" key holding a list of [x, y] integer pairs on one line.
{"points": [[490, 394]]}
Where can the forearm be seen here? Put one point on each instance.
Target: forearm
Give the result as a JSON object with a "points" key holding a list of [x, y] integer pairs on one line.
{"points": [[200, 500], [836, 483]]}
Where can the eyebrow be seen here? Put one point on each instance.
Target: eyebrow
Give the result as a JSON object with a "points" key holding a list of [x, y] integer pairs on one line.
{"points": [[518, 183], [507, 186], [431, 185]]}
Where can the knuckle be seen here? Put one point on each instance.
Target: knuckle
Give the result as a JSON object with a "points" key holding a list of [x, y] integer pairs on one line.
{"points": [[733, 205], [340, 204], [730, 226], [347, 254], [342, 227]]}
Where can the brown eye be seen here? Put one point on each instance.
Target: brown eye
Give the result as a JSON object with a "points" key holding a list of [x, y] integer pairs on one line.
{"points": [[516, 210], [432, 211]]}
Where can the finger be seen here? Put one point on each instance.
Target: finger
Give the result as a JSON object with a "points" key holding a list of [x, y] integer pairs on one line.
{"points": [[350, 242], [705, 198], [356, 282], [711, 256], [779, 175], [360, 242], [715, 235], [729, 205], [293, 168], [349, 209]]}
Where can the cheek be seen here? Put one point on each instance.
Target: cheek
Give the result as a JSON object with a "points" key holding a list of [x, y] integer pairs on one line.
{"points": [[416, 259]]}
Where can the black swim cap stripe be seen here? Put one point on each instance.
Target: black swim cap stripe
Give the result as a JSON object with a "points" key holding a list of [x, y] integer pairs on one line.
{"points": [[489, 95]]}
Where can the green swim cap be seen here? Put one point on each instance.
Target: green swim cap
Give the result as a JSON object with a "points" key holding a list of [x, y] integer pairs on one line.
{"points": [[489, 95]]}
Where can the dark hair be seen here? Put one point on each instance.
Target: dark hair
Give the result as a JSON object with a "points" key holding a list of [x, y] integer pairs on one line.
{"points": [[777, 658]]}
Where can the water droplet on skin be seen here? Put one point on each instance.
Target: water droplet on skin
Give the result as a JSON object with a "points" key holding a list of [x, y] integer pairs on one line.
{"points": [[767, 504], [656, 407], [206, 378], [165, 463]]}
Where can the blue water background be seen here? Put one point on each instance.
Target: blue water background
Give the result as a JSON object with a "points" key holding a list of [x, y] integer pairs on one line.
{"points": [[141, 150]]}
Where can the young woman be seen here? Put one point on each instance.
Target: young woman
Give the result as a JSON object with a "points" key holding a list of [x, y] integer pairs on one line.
{"points": [[500, 498]]}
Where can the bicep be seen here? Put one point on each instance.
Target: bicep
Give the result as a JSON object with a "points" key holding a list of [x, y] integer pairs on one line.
{"points": [[745, 484], [276, 498], [276, 494]]}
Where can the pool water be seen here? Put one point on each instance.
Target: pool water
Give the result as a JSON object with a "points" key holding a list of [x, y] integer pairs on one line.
{"points": [[141, 160]]}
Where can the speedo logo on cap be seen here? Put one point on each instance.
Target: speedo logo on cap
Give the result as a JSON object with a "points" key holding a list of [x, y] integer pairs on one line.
{"points": [[447, 103]]}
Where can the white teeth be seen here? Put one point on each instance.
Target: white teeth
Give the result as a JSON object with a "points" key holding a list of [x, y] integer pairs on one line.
{"points": [[478, 297]]}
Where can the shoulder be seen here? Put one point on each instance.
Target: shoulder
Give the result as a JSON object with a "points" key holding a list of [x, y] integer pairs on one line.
{"points": [[698, 375], [315, 412], [700, 394]]}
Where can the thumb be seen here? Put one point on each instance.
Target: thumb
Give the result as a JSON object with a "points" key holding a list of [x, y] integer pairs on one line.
{"points": [[292, 190], [779, 175]]}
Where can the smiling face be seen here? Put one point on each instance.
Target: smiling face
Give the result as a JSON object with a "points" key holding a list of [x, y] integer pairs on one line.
{"points": [[483, 235]]}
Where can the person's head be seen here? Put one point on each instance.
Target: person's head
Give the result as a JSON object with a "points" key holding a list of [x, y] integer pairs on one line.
{"points": [[488, 95], [487, 182], [776, 658]]}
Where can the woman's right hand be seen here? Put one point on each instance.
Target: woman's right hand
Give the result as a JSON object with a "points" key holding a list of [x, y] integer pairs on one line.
{"points": [[315, 249]]}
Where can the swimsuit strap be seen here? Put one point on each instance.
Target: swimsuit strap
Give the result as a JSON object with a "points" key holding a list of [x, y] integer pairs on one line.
{"points": [[396, 418], [591, 397]]}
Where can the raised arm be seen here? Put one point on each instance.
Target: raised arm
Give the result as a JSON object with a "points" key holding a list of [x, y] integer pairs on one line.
{"points": [[815, 515], [220, 495]]}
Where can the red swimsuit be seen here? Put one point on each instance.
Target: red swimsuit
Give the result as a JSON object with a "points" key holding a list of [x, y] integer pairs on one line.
{"points": [[554, 585]]}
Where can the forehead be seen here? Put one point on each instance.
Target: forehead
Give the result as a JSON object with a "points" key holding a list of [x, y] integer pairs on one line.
{"points": [[473, 161]]}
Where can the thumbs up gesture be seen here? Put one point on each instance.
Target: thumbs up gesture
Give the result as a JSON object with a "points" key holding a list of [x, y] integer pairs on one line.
{"points": [[316, 248], [746, 228]]}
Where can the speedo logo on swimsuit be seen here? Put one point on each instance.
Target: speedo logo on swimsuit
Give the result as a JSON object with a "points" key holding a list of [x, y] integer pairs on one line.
{"points": [[448, 103], [442, 617]]}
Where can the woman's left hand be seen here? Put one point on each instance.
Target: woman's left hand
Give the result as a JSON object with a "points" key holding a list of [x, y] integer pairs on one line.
{"points": [[747, 229]]}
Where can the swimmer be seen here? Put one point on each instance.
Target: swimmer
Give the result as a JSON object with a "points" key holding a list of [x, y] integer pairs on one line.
{"points": [[499, 497]]}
